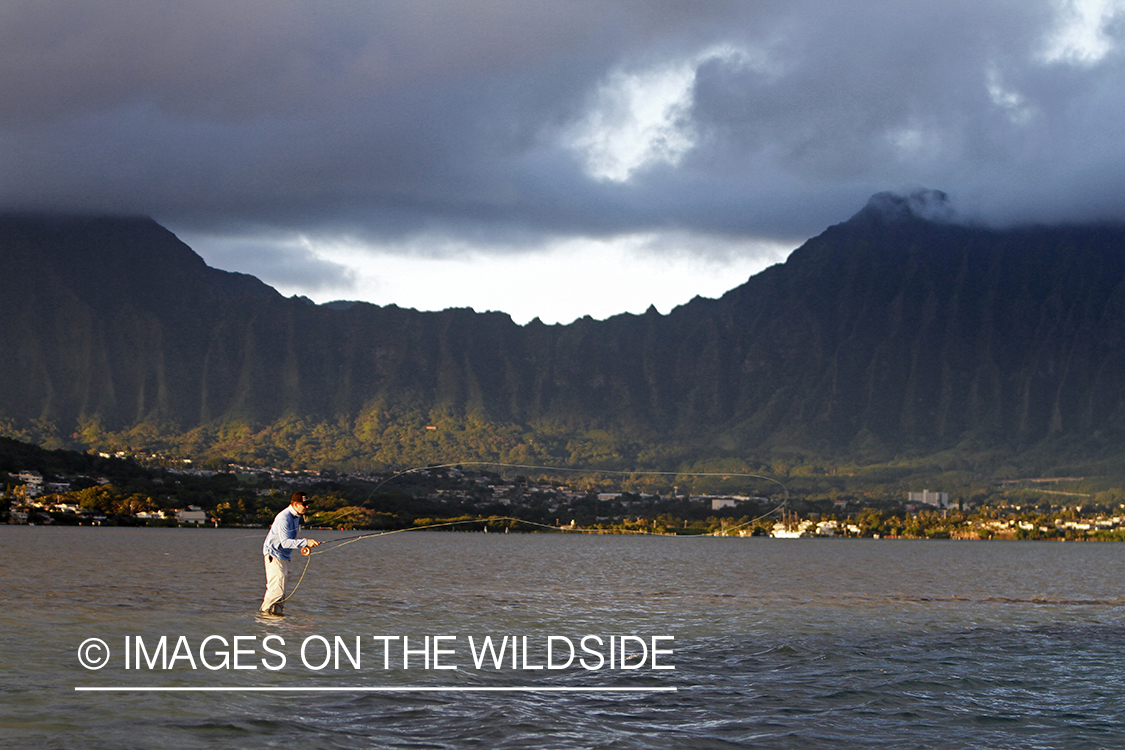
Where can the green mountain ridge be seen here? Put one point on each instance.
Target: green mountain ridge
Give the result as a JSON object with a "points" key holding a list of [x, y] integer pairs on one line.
{"points": [[890, 336]]}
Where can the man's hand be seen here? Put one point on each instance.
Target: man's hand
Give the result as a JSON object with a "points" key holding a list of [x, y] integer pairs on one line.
{"points": [[309, 544]]}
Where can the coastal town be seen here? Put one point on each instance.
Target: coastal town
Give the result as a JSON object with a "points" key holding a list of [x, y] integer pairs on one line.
{"points": [[244, 496]]}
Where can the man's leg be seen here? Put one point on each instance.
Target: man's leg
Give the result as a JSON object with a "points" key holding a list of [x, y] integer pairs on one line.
{"points": [[276, 573]]}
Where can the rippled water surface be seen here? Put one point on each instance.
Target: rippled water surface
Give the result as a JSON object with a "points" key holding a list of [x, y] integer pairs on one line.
{"points": [[777, 643]]}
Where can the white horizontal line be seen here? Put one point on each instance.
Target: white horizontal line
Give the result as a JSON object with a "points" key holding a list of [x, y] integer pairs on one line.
{"points": [[406, 689]]}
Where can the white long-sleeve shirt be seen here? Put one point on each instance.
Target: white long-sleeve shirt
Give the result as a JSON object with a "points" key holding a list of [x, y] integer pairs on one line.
{"points": [[283, 534]]}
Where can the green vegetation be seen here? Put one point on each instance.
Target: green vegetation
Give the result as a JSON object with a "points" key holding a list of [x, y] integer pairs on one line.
{"points": [[882, 354], [854, 501]]}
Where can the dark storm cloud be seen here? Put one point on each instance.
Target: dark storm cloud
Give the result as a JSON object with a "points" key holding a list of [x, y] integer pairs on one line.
{"points": [[379, 120]]}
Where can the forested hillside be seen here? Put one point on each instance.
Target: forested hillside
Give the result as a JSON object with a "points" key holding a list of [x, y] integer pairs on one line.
{"points": [[888, 335]]}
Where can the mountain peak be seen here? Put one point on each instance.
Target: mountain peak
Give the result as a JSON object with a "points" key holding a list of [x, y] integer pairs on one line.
{"points": [[922, 204]]}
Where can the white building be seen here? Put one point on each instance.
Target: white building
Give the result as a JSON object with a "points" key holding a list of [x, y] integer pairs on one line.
{"points": [[65, 508], [925, 497], [827, 528], [192, 514], [33, 481], [729, 501]]}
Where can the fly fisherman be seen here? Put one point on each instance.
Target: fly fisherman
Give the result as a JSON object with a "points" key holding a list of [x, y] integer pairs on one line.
{"points": [[281, 539]]}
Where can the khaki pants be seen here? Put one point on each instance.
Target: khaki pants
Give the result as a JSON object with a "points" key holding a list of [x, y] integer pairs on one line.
{"points": [[276, 572]]}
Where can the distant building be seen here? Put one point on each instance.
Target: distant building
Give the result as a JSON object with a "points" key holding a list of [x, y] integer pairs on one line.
{"points": [[192, 514], [32, 480], [827, 528], [65, 508], [925, 497], [729, 501]]}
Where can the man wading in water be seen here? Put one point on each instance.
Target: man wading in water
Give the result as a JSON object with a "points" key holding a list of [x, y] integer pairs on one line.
{"points": [[281, 539]]}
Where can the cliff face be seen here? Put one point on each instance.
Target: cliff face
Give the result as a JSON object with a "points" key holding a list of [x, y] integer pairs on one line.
{"points": [[890, 330], [115, 319], [924, 334]]}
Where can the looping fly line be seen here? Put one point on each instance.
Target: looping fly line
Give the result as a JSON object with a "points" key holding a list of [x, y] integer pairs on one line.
{"points": [[561, 529], [724, 475]]}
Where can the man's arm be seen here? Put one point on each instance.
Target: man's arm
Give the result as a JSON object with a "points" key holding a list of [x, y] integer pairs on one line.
{"points": [[290, 540]]}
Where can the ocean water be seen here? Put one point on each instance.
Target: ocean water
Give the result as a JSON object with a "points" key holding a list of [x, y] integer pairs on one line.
{"points": [[774, 643]]}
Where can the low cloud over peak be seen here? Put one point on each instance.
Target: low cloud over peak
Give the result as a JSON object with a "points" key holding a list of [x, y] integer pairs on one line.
{"points": [[922, 203]]}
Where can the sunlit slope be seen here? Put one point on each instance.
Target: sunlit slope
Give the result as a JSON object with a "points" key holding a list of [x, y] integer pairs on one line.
{"points": [[886, 335]]}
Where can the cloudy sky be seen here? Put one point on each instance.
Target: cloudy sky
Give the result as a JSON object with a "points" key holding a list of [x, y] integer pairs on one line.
{"points": [[551, 159]]}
